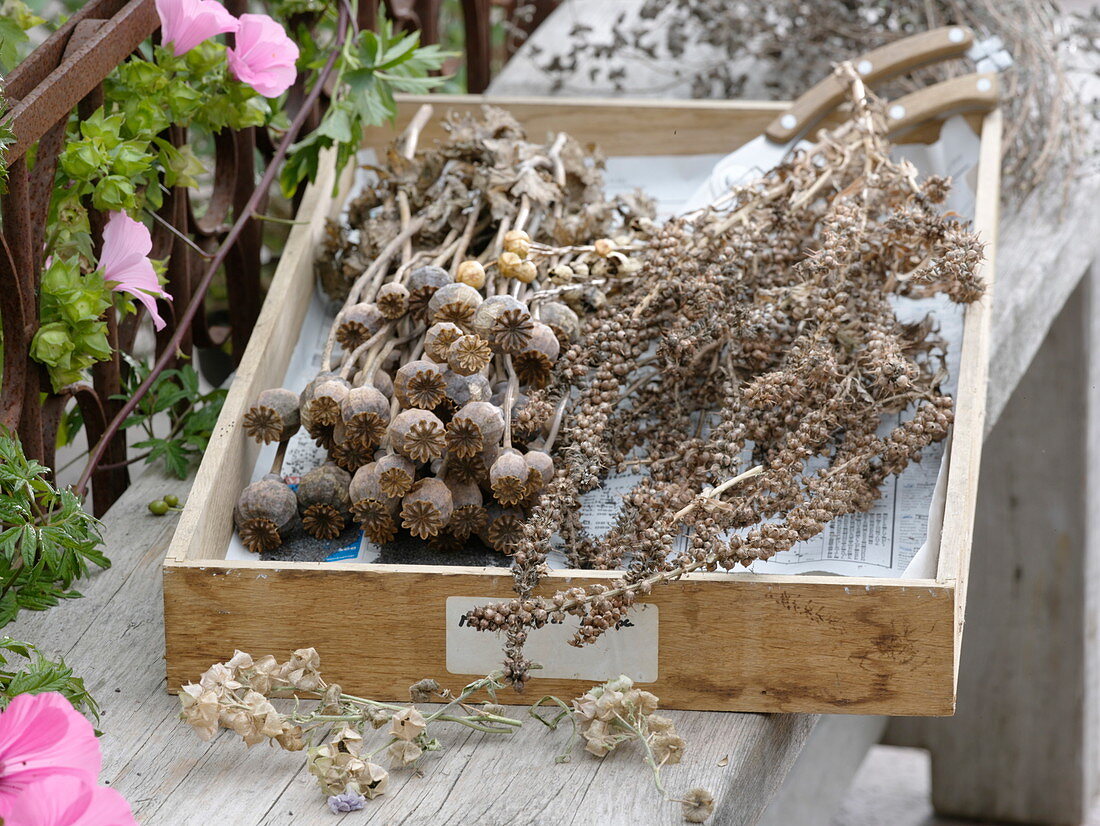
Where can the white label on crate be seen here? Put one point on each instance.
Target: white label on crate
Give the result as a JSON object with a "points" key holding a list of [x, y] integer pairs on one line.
{"points": [[630, 649]]}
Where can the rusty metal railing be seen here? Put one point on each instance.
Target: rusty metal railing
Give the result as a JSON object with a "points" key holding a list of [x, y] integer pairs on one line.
{"points": [[66, 73]]}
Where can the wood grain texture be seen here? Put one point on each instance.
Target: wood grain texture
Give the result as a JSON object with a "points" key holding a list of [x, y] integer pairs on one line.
{"points": [[114, 638], [747, 644], [979, 92], [1023, 745], [618, 126], [878, 65]]}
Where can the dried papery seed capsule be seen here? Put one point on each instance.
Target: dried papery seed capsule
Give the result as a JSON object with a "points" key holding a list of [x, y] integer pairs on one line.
{"points": [[462, 390], [472, 273], [266, 513], [418, 435], [423, 282], [427, 508], [525, 271], [439, 338], [274, 417], [420, 384], [469, 354], [365, 413], [324, 407], [469, 514], [561, 275], [347, 453], [323, 501], [473, 427], [467, 469], [517, 241], [392, 300], [455, 303], [535, 362], [491, 309], [396, 475], [383, 382], [511, 332], [372, 507], [358, 323], [507, 263], [508, 478], [539, 461], [604, 247], [563, 321], [504, 528]]}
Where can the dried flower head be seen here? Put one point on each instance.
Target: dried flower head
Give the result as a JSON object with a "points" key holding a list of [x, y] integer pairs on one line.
{"points": [[508, 478], [392, 300], [365, 412], [358, 323], [323, 501], [473, 427], [423, 282], [420, 384], [469, 354], [408, 723], [418, 435], [274, 417], [454, 303], [697, 805], [535, 360], [427, 508], [396, 475], [439, 338], [266, 513], [471, 273], [324, 406]]}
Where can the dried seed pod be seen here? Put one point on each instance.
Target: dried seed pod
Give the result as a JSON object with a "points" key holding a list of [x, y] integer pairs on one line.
{"points": [[508, 478], [418, 435], [372, 507], [349, 454], [383, 382], [358, 323], [507, 263], [473, 427], [420, 384], [462, 390], [517, 241], [427, 508], [324, 407], [471, 272], [396, 475], [323, 501], [604, 247], [439, 338], [525, 271], [540, 462], [423, 282], [467, 469], [563, 321], [274, 417], [266, 513], [534, 363], [511, 331], [455, 303], [469, 514], [392, 300], [469, 354], [491, 309], [365, 413], [503, 529], [561, 275]]}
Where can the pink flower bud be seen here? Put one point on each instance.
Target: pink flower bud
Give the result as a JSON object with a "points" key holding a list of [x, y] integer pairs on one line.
{"points": [[263, 55]]}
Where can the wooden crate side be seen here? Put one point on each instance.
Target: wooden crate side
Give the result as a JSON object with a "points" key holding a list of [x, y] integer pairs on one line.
{"points": [[724, 644], [620, 126], [970, 399], [206, 522]]}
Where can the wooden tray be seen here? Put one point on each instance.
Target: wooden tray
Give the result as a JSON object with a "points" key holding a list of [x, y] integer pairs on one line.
{"points": [[724, 642]]}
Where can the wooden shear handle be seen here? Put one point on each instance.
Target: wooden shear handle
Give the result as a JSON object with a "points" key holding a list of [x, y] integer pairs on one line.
{"points": [[959, 95], [880, 64]]}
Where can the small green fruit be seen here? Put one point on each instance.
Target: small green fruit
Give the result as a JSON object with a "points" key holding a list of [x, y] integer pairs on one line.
{"points": [[158, 507], [172, 501]]}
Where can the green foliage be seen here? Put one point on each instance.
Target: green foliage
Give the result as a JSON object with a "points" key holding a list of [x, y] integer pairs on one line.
{"points": [[192, 415], [47, 540], [372, 68], [34, 673], [72, 335], [15, 19]]}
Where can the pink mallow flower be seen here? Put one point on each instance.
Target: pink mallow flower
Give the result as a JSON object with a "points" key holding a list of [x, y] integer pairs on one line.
{"points": [[43, 736], [69, 801], [186, 23], [263, 56], [125, 262]]}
